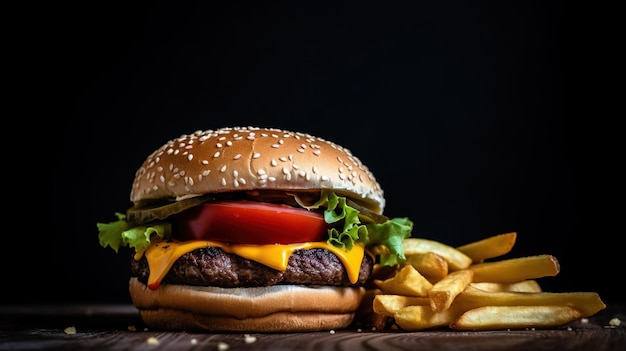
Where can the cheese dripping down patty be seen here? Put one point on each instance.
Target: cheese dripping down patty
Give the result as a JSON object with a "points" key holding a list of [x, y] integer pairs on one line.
{"points": [[161, 255]]}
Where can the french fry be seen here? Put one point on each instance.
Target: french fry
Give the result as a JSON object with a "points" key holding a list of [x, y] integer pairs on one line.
{"points": [[429, 264], [515, 317], [529, 285], [588, 303], [444, 291], [490, 247], [387, 304], [516, 269], [423, 317], [456, 259], [407, 281]]}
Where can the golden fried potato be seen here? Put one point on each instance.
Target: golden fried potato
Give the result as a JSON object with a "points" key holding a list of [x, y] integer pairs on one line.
{"points": [[588, 303], [387, 304], [456, 259], [515, 317], [423, 317], [490, 247], [444, 291], [429, 264], [516, 269], [407, 281], [529, 285]]}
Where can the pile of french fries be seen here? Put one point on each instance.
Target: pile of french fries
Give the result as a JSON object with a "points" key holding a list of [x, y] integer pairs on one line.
{"points": [[462, 288]]}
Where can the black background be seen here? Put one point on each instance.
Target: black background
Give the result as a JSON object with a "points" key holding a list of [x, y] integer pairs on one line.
{"points": [[477, 118]]}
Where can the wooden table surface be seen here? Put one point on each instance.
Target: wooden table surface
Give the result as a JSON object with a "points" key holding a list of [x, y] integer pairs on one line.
{"points": [[110, 327]]}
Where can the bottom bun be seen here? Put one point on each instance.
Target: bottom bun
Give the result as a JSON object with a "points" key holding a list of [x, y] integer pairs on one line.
{"points": [[278, 308]]}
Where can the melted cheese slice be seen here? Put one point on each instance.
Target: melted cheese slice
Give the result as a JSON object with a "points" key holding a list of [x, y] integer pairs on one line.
{"points": [[161, 255]]}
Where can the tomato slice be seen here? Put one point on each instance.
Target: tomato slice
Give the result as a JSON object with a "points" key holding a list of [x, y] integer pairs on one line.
{"points": [[250, 222]]}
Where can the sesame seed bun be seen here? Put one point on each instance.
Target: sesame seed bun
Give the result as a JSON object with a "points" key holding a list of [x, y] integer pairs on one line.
{"points": [[248, 158]]}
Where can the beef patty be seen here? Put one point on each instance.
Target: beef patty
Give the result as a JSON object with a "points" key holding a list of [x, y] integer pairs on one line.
{"points": [[212, 266]]}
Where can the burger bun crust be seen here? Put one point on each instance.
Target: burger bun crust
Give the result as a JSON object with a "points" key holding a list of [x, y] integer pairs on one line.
{"points": [[250, 158], [278, 308]]}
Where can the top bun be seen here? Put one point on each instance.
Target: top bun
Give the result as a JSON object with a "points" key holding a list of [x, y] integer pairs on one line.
{"points": [[250, 158]]}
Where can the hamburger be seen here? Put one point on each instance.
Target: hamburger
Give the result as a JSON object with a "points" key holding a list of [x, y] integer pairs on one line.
{"points": [[253, 230]]}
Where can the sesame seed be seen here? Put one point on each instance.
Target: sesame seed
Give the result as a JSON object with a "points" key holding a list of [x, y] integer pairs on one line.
{"points": [[205, 162], [223, 169], [219, 145], [190, 157], [316, 152], [216, 155], [273, 163], [256, 155], [238, 156], [223, 181], [275, 146]]}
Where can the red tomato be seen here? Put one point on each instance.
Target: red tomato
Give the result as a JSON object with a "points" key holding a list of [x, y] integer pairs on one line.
{"points": [[250, 222]]}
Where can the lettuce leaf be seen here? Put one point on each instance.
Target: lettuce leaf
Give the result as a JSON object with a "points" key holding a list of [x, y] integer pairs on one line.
{"points": [[121, 233], [390, 233]]}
